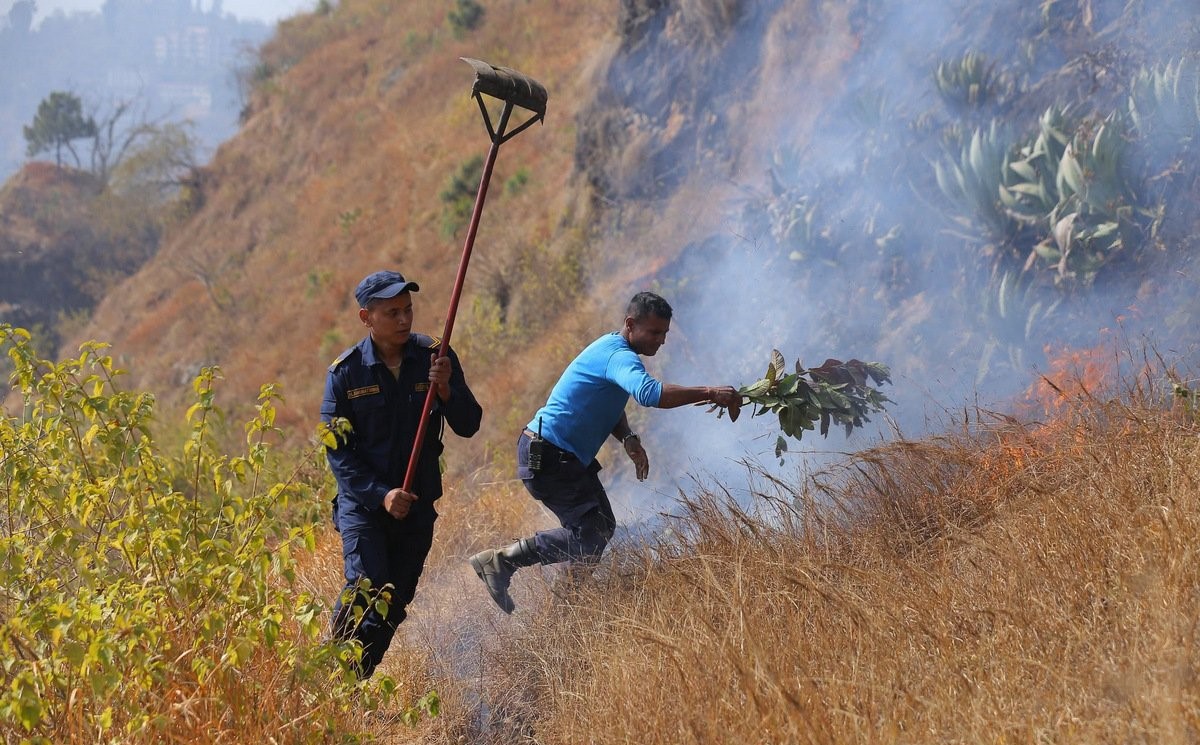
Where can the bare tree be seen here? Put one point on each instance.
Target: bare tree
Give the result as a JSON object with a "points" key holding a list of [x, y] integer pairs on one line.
{"points": [[113, 139]]}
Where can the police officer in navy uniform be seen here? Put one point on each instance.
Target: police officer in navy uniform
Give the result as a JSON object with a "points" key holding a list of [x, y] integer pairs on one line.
{"points": [[379, 386]]}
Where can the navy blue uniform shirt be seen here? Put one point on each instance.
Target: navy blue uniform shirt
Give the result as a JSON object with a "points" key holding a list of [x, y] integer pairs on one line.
{"points": [[384, 413]]}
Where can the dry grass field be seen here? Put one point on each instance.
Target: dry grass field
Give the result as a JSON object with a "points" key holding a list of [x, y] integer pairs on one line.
{"points": [[1025, 577], [1015, 580]]}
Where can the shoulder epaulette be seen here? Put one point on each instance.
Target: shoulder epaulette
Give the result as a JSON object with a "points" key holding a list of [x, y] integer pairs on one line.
{"points": [[340, 358], [429, 342]]}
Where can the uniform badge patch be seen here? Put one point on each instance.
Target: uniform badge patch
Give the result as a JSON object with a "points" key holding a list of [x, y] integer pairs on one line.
{"points": [[367, 391], [421, 387]]}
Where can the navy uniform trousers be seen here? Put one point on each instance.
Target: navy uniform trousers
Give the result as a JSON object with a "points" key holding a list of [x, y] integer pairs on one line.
{"points": [[380, 549], [573, 492]]}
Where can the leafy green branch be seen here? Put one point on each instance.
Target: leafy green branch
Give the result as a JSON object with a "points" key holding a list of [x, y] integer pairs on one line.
{"points": [[835, 393]]}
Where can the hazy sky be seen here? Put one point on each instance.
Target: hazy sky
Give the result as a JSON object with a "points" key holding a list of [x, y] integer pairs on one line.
{"points": [[260, 10]]}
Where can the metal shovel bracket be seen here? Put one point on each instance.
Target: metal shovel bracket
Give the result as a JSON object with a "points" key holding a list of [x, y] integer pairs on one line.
{"points": [[515, 90], [511, 87]]}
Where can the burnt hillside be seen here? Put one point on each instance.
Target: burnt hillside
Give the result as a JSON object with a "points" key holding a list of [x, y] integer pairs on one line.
{"points": [[959, 189]]}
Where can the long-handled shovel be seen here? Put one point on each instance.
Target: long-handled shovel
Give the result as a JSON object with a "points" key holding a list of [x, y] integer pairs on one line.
{"points": [[514, 90]]}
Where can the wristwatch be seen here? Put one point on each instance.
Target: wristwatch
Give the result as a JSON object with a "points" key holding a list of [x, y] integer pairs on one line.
{"points": [[627, 437]]}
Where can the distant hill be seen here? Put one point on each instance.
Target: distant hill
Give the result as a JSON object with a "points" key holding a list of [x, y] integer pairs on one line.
{"points": [[358, 120], [170, 59]]}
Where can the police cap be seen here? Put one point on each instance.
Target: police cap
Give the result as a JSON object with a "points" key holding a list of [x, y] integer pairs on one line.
{"points": [[382, 285]]}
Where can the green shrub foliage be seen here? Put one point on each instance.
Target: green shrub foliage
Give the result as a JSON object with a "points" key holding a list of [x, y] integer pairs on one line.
{"points": [[143, 592], [458, 195], [465, 16]]}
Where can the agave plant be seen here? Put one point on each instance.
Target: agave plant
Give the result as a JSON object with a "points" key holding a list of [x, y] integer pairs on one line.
{"points": [[969, 81], [1164, 103], [804, 217], [1094, 214], [789, 211], [1091, 168], [869, 108], [1029, 191], [793, 225], [974, 181], [1072, 189], [1017, 305]]}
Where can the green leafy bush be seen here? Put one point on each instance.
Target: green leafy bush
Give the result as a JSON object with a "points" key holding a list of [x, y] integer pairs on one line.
{"points": [[458, 195], [149, 598], [466, 16]]}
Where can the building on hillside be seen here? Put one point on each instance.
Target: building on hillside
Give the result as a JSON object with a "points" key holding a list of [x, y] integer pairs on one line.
{"points": [[190, 46]]}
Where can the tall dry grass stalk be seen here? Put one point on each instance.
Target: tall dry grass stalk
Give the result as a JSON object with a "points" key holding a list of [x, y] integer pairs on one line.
{"points": [[1009, 582]]}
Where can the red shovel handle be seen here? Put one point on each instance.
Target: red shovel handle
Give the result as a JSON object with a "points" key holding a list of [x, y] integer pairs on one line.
{"points": [[444, 347]]}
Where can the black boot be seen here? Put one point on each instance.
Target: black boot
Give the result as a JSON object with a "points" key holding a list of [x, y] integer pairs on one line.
{"points": [[496, 567]]}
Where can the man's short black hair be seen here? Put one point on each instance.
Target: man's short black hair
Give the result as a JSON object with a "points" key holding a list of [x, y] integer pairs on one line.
{"points": [[648, 304]]}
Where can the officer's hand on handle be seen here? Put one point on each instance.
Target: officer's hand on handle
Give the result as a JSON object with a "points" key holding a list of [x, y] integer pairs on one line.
{"points": [[637, 454], [397, 502], [439, 376], [727, 397]]}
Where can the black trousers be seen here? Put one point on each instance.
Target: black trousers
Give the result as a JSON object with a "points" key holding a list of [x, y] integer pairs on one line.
{"points": [[574, 494]]}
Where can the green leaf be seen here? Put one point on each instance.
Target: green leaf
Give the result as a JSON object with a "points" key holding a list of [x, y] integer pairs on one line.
{"points": [[1070, 174], [1023, 169], [758, 388], [775, 370], [1047, 252]]}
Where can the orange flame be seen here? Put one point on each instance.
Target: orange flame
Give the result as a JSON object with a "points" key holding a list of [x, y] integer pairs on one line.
{"points": [[1072, 374]]}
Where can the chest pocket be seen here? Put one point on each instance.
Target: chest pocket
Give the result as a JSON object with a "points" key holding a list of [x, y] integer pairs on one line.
{"points": [[371, 421]]}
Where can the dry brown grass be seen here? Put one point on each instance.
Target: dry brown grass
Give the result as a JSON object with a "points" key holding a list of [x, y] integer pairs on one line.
{"points": [[1010, 582], [1013, 581]]}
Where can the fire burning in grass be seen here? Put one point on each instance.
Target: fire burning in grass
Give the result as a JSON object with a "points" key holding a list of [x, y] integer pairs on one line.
{"points": [[1073, 373]]}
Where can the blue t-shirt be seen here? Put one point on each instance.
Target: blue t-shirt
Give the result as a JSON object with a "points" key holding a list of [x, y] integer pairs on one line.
{"points": [[590, 396]]}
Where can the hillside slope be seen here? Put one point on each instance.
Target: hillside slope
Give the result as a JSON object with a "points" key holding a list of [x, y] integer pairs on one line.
{"points": [[771, 168], [359, 119], [1003, 583]]}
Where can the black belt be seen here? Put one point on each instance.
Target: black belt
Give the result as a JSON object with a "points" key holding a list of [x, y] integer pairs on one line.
{"points": [[563, 455]]}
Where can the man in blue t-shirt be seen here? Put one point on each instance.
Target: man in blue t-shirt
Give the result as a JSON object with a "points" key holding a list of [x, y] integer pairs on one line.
{"points": [[556, 453]]}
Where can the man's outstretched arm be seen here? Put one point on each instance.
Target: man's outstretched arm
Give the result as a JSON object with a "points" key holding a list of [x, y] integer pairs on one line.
{"points": [[677, 395]]}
